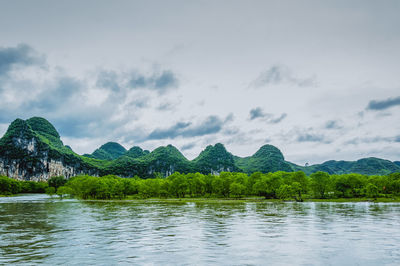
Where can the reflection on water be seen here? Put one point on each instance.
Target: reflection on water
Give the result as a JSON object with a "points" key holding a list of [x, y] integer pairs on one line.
{"points": [[35, 229]]}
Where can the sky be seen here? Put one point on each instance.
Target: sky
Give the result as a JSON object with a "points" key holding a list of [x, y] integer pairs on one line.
{"points": [[320, 80]]}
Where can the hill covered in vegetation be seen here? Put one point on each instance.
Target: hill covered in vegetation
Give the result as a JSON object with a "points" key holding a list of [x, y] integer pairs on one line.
{"points": [[32, 150], [108, 151]]}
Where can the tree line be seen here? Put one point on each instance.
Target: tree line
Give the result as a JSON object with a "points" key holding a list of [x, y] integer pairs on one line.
{"points": [[278, 185], [9, 186]]}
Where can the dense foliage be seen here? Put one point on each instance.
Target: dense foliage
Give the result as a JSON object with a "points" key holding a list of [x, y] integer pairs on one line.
{"points": [[365, 166], [136, 152], [108, 151], [278, 185], [9, 186], [215, 159], [267, 159]]}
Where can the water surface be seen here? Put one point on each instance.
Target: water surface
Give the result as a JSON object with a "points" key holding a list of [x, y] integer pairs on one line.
{"points": [[36, 229]]}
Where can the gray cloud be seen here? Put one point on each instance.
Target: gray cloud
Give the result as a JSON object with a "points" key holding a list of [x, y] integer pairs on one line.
{"points": [[231, 131], [142, 102], [277, 119], [168, 105], [171, 132], [211, 125], [93, 121], [310, 137], [333, 124], [188, 146], [63, 99], [165, 106], [304, 135], [108, 80], [279, 74], [376, 139], [383, 104], [258, 113], [21, 55], [160, 82], [53, 97]]}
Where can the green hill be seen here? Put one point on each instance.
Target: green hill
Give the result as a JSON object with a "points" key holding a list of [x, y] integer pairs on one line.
{"points": [[108, 151], [267, 159], [136, 152], [215, 159], [366, 166], [33, 150], [163, 160]]}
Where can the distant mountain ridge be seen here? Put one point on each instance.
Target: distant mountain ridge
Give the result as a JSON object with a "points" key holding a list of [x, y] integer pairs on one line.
{"points": [[108, 151], [32, 150], [267, 159]]}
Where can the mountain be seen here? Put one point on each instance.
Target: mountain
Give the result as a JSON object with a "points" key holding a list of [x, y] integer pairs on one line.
{"points": [[32, 150], [365, 166], [164, 160], [108, 151], [136, 152], [267, 159], [215, 159]]}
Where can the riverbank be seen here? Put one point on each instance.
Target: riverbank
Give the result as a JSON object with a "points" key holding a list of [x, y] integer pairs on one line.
{"points": [[394, 199], [228, 200], [225, 200], [237, 200]]}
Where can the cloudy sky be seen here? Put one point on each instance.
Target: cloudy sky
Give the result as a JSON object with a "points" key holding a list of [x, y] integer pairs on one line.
{"points": [[318, 79]]}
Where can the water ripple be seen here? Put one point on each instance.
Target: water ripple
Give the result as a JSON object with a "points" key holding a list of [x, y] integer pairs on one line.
{"points": [[36, 229]]}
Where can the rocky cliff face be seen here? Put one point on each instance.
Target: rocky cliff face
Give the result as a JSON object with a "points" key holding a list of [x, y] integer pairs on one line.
{"points": [[37, 155], [41, 171]]}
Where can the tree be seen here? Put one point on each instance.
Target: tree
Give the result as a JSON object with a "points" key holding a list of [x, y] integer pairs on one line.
{"points": [[164, 187], [355, 184], [57, 181], [297, 191], [131, 186], [217, 186], [196, 184], [372, 191], [260, 186], [227, 180], [63, 190], [179, 185], [274, 181], [50, 191], [284, 192], [237, 190], [9, 186], [320, 183], [340, 185], [299, 183]]}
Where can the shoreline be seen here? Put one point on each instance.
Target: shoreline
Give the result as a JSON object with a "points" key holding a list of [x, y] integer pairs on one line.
{"points": [[220, 200]]}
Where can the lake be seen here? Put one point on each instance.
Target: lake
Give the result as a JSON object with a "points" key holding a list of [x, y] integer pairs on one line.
{"points": [[36, 229]]}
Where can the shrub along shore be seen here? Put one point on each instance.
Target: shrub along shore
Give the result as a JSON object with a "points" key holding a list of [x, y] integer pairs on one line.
{"points": [[295, 186]]}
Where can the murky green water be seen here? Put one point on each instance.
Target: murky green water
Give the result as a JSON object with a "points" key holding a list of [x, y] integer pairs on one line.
{"points": [[35, 229]]}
